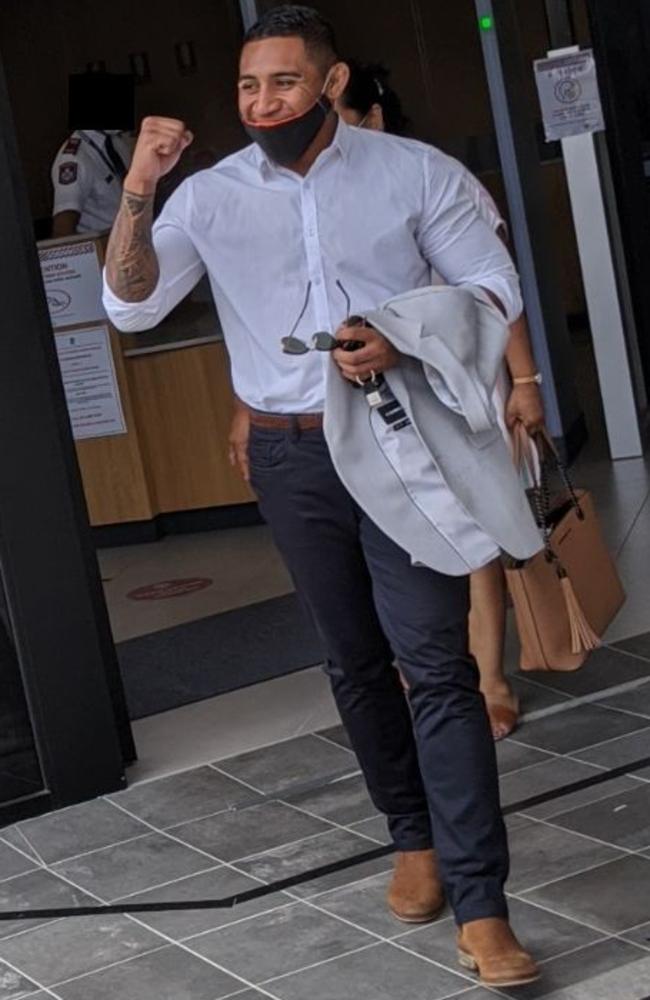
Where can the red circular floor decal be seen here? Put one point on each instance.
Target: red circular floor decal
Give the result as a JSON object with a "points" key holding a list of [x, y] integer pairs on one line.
{"points": [[170, 588]]}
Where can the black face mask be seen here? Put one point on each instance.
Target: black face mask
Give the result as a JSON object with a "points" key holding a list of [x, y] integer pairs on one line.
{"points": [[285, 142]]}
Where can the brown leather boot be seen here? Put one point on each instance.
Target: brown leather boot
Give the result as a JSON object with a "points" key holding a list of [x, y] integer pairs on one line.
{"points": [[415, 894], [489, 948]]}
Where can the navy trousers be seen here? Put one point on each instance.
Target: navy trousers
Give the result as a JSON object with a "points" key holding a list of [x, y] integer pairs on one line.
{"points": [[430, 769]]}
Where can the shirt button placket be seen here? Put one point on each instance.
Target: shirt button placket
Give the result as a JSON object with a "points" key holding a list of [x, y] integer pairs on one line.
{"points": [[314, 258]]}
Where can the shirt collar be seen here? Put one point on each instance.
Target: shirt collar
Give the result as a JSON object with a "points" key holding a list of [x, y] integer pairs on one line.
{"points": [[340, 143]]}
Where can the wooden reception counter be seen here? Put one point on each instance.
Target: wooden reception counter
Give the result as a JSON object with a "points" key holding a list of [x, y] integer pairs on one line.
{"points": [[179, 382], [150, 414]]}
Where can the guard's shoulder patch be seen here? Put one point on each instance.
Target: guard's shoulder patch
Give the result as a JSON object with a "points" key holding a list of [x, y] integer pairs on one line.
{"points": [[72, 146], [68, 173]]}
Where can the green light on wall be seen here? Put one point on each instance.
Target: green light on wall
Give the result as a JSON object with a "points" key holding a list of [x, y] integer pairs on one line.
{"points": [[486, 23]]}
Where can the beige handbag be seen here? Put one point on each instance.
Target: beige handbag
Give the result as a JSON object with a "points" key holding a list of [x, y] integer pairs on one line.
{"points": [[565, 597]]}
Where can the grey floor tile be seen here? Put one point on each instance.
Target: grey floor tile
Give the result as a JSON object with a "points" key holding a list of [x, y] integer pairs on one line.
{"points": [[613, 896], [633, 568], [477, 994], [618, 752], [636, 700], [513, 756], [364, 904], [639, 935], [374, 828], [545, 934], [551, 775], [622, 820], [630, 982], [344, 801], [88, 827], [139, 864], [11, 835], [338, 735], [638, 645], [186, 796], [13, 862], [73, 947], [532, 696], [249, 995], [37, 890], [294, 762], [378, 973], [605, 668], [573, 800], [516, 820], [238, 834], [13, 985], [220, 883], [280, 942], [581, 967], [307, 855], [578, 727], [169, 974], [541, 853]]}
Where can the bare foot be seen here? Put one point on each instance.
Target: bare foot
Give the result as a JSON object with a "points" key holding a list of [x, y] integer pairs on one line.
{"points": [[503, 711]]}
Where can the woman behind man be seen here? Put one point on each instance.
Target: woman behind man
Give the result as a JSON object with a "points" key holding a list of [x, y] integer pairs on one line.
{"points": [[369, 102]]}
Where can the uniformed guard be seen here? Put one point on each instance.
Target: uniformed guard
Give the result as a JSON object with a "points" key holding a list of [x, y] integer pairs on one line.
{"points": [[89, 169]]}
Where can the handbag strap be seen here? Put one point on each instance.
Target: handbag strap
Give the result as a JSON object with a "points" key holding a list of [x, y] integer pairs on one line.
{"points": [[524, 451], [546, 447], [540, 474]]}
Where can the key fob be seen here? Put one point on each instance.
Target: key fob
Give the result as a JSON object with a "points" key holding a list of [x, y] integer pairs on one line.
{"points": [[372, 394]]}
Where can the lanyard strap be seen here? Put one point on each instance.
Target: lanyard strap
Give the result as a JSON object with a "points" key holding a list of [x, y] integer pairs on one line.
{"points": [[113, 167]]}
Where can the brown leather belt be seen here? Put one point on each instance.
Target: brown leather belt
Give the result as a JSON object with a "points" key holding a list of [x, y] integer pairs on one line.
{"points": [[286, 421]]}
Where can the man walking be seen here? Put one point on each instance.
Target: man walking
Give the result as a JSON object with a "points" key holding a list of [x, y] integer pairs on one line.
{"points": [[313, 220]]}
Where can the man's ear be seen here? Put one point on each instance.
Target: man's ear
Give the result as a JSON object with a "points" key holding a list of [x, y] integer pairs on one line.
{"points": [[337, 80]]}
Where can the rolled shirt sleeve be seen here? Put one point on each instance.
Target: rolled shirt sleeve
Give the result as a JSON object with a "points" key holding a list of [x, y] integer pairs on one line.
{"points": [[180, 269], [457, 241]]}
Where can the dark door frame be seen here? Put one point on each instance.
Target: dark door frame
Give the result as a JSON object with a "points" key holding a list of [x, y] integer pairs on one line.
{"points": [[47, 559], [506, 71], [621, 43]]}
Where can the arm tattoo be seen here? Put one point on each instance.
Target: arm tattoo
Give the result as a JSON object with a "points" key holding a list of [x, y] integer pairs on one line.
{"points": [[131, 263]]}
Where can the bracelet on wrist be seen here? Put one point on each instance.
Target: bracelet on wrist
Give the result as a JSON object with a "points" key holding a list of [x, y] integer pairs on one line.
{"points": [[534, 379]]}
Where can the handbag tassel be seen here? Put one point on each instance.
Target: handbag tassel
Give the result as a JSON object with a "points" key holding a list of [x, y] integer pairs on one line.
{"points": [[583, 637]]}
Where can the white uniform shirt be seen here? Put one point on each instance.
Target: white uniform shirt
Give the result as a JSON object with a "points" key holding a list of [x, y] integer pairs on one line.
{"points": [[85, 181], [375, 213]]}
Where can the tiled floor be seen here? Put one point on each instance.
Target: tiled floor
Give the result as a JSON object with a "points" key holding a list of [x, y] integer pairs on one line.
{"points": [[579, 887], [259, 785]]}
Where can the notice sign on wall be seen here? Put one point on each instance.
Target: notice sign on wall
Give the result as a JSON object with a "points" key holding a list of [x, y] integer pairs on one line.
{"points": [[91, 389], [73, 283], [568, 93]]}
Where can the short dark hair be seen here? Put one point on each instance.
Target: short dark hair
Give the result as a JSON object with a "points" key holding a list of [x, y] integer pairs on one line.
{"points": [[293, 20]]}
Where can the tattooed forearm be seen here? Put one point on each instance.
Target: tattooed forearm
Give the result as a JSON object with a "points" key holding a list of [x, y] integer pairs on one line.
{"points": [[131, 262]]}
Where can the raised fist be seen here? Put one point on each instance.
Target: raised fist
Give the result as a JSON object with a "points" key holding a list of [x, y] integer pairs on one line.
{"points": [[157, 151]]}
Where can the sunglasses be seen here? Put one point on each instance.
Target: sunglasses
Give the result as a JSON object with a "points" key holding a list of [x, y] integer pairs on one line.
{"points": [[322, 341]]}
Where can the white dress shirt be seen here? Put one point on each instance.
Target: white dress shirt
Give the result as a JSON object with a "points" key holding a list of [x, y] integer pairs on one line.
{"points": [[488, 210], [375, 212], [85, 181]]}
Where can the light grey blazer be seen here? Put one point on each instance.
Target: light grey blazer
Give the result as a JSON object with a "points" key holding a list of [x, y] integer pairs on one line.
{"points": [[452, 341]]}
